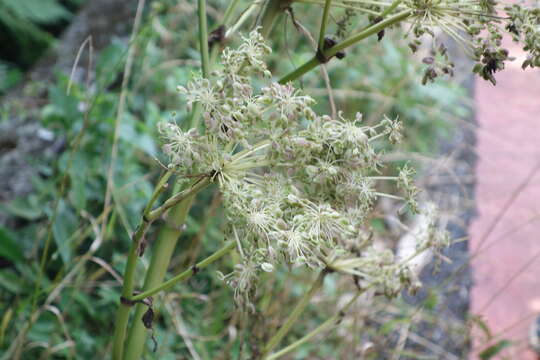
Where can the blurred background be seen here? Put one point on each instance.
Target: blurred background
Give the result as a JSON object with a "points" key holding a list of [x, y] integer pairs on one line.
{"points": [[62, 63]]}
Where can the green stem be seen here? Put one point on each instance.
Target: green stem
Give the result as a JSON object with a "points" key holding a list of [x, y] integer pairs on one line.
{"points": [[229, 12], [391, 8], [298, 72], [203, 38], [373, 29], [197, 109], [324, 21], [161, 256], [271, 11], [160, 187], [334, 320], [295, 314], [122, 315], [205, 59], [176, 199], [186, 274]]}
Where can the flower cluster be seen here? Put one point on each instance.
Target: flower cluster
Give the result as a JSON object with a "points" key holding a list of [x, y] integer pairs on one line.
{"points": [[298, 188], [478, 25], [524, 26]]}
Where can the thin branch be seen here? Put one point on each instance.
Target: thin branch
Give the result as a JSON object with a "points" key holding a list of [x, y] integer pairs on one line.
{"points": [[334, 320], [186, 274], [295, 314], [324, 21], [373, 29]]}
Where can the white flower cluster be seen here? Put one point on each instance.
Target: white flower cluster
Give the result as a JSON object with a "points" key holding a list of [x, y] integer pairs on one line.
{"points": [[297, 187]]}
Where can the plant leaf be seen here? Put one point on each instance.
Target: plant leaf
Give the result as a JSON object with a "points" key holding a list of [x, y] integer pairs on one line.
{"points": [[493, 350], [9, 248]]}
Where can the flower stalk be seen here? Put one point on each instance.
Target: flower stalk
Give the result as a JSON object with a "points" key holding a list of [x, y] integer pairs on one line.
{"points": [[271, 11], [161, 255], [328, 324], [295, 314], [122, 315], [185, 275], [203, 38], [324, 21], [372, 30]]}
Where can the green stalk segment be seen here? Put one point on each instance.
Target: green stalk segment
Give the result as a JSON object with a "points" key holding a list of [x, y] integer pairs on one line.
{"points": [[391, 8], [373, 29], [203, 38], [328, 324], [271, 11], [295, 314], [324, 21], [122, 316], [161, 256], [188, 273]]}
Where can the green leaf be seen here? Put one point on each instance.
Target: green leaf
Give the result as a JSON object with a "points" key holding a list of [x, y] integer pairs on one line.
{"points": [[108, 61], [431, 301], [78, 175], [41, 12], [10, 281], [493, 350], [9, 248], [482, 325], [23, 208], [9, 76], [63, 227], [67, 105]]}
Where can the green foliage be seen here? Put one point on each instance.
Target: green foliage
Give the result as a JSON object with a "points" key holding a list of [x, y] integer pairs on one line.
{"points": [[200, 310], [39, 12], [494, 350], [9, 76], [9, 249], [27, 26]]}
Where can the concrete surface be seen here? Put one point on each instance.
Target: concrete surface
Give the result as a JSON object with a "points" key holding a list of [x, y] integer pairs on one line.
{"points": [[506, 291]]}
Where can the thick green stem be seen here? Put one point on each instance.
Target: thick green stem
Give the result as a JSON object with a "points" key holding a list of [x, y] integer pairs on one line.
{"points": [[271, 11], [203, 38], [229, 11], [391, 8], [373, 29], [186, 274], [298, 72], [161, 256], [177, 198], [149, 216], [324, 21], [122, 315], [205, 58], [334, 320], [295, 314], [207, 66]]}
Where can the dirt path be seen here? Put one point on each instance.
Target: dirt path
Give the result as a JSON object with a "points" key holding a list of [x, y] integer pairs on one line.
{"points": [[506, 291]]}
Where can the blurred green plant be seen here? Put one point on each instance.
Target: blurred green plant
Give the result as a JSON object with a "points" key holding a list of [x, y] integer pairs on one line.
{"points": [[28, 28], [80, 284]]}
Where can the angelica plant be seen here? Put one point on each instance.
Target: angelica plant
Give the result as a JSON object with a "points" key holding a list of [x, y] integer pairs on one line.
{"points": [[299, 187]]}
